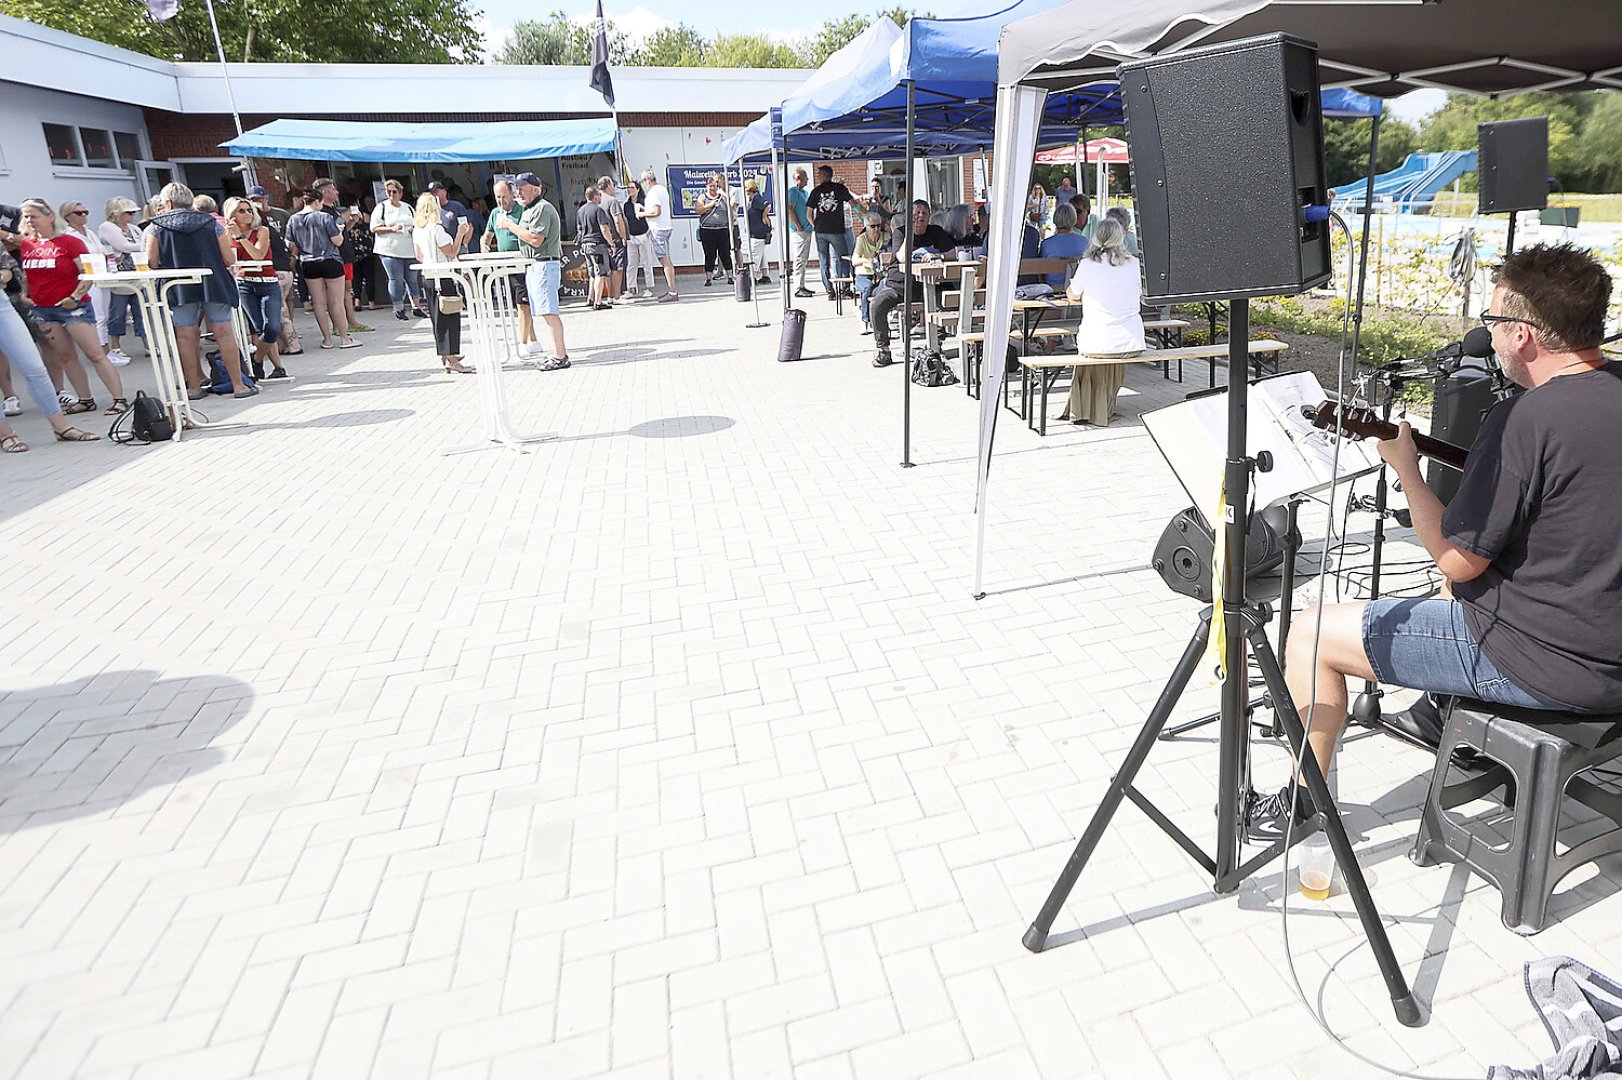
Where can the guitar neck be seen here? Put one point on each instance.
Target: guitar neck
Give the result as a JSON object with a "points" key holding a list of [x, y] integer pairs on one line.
{"points": [[1445, 452], [1363, 424]]}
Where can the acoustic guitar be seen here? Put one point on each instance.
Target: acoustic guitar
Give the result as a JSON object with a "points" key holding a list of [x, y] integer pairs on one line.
{"points": [[1362, 423]]}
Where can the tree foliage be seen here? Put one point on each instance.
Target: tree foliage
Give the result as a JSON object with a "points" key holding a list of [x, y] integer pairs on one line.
{"points": [[673, 46], [751, 51], [1346, 148], [342, 31], [558, 39], [835, 34]]}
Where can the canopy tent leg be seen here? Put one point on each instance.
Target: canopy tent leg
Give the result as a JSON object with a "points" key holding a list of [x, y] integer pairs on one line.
{"points": [[784, 230], [906, 289]]}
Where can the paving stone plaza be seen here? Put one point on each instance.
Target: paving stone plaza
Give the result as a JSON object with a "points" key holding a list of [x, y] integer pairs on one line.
{"points": [[676, 748]]}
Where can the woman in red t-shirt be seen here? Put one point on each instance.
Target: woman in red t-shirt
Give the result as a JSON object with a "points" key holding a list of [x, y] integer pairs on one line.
{"points": [[50, 261]]}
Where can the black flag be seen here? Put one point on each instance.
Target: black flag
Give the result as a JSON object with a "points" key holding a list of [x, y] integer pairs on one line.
{"points": [[601, 80]]}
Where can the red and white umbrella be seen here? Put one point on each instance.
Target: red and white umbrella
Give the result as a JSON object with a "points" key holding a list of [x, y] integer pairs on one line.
{"points": [[1102, 151]]}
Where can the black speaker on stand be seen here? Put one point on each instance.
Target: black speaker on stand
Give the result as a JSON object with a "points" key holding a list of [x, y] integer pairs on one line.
{"points": [[1513, 163]]}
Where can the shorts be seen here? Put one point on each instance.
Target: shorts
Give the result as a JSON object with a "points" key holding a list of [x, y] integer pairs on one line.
{"points": [[319, 269], [541, 282], [520, 291], [349, 271], [187, 314], [617, 257], [1426, 645], [81, 312], [661, 244], [596, 262]]}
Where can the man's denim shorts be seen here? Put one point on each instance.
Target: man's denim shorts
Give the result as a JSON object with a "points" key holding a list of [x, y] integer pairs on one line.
{"points": [[661, 243], [187, 314], [1426, 645]]}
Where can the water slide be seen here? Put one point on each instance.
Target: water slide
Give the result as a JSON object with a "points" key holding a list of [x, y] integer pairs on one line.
{"points": [[1411, 185]]}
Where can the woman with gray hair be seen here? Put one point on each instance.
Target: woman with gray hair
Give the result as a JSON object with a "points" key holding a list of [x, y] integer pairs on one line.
{"points": [[1110, 281], [959, 222], [1124, 216], [123, 240]]}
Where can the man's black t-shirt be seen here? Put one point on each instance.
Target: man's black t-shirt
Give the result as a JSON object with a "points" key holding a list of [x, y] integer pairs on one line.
{"points": [[591, 227], [827, 203], [1541, 497]]}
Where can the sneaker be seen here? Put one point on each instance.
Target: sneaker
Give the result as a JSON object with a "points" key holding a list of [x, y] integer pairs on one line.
{"points": [[883, 359], [117, 357], [708, 282], [1267, 815], [648, 294], [67, 398], [763, 281], [13, 406], [401, 315], [259, 371], [556, 363], [669, 298], [279, 373], [802, 291], [832, 297], [528, 350]]}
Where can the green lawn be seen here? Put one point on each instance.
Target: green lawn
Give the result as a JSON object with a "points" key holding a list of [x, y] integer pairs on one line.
{"points": [[1594, 207]]}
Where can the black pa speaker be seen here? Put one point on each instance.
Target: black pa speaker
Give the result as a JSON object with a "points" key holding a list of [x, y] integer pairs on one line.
{"points": [[1514, 164], [1227, 159], [1183, 555]]}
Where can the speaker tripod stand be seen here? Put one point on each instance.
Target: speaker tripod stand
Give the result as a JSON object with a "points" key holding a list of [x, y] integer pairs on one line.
{"points": [[1244, 624]]}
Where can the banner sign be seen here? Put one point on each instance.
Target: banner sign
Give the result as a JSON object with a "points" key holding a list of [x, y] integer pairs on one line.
{"points": [[688, 182]]}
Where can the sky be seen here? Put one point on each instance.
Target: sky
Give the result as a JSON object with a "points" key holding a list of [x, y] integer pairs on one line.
{"points": [[789, 22]]}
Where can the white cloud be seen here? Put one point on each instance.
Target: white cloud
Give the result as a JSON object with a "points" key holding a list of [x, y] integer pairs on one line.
{"points": [[639, 23]]}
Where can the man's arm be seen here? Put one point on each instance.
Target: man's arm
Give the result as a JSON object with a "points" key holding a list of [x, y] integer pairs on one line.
{"points": [[1455, 562]]}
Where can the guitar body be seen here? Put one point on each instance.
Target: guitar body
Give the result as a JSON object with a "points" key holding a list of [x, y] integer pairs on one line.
{"points": [[1360, 423]]}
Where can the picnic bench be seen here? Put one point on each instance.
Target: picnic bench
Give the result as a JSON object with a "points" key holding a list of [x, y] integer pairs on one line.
{"points": [[1047, 368]]}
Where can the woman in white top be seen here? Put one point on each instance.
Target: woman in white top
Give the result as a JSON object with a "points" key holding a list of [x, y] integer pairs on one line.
{"points": [[391, 225], [433, 244], [1110, 282], [75, 219], [125, 245]]}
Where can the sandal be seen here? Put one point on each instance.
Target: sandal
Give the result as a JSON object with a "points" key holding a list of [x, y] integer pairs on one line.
{"points": [[83, 405], [74, 434], [13, 444], [118, 407]]}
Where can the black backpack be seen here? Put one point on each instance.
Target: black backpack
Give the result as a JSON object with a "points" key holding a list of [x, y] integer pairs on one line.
{"points": [[148, 422], [929, 368]]}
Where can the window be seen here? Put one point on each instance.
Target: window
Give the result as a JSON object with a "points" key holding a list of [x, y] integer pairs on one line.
{"points": [[63, 145], [94, 148], [128, 146], [98, 148]]}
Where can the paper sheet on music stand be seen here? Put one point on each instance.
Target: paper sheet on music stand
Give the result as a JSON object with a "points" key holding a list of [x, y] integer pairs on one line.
{"points": [[1193, 437]]}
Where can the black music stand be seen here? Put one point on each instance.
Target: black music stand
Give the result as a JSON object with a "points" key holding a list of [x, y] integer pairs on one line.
{"points": [[1244, 622]]}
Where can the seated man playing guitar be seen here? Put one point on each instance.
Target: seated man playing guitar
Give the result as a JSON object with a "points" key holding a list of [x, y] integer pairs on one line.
{"points": [[1530, 548]]}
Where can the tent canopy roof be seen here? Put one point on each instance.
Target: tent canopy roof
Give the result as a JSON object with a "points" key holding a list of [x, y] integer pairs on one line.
{"points": [[1382, 48], [341, 140]]}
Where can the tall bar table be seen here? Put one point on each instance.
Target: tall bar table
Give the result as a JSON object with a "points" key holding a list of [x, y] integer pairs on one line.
{"points": [[484, 282], [152, 291]]}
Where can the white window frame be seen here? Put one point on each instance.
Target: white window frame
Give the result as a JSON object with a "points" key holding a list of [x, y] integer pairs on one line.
{"points": [[122, 169]]}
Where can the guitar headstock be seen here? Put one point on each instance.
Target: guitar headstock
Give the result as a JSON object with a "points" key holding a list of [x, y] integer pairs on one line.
{"points": [[1354, 421]]}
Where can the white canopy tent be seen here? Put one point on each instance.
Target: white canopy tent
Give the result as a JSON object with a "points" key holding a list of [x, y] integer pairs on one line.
{"points": [[1380, 47]]}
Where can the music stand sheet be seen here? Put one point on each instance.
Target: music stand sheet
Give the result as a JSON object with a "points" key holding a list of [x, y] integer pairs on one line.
{"points": [[1192, 436]]}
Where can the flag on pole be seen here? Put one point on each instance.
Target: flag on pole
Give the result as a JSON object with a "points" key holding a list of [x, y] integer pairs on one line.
{"points": [[601, 80], [163, 9]]}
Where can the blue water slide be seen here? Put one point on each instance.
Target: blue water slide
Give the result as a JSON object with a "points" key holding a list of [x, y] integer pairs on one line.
{"points": [[1411, 185]]}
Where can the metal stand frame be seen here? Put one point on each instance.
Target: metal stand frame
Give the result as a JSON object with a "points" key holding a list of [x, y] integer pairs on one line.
{"points": [[1244, 623], [485, 283]]}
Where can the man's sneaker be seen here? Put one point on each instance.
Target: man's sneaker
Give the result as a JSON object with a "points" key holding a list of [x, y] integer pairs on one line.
{"points": [[802, 291], [13, 406], [883, 359], [763, 280], [528, 350], [279, 373], [669, 298], [1267, 815], [556, 363], [117, 357], [67, 398]]}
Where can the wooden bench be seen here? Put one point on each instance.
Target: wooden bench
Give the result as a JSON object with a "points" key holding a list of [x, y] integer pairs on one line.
{"points": [[1161, 329], [1048, 367]]}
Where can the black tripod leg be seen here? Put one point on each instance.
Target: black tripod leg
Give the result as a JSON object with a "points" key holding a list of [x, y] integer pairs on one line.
{"points": [[1036, 937], [1402, 999]]}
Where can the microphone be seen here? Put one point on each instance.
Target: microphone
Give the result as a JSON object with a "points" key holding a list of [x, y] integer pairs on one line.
{"points": [[1477, 344]]}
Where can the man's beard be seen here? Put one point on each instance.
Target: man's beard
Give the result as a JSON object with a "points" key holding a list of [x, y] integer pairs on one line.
{"points": [[1514, 370]]}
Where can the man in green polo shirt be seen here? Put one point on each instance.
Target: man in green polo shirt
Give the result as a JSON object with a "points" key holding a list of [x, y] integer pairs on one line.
{"points": [[499, 239], [540, 236]]}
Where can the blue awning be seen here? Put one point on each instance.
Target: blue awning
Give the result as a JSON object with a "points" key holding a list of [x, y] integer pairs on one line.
{"points": [[503, 140]]}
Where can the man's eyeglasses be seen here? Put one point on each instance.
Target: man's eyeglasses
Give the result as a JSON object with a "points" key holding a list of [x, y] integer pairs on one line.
{"points": [[1487, 320]]}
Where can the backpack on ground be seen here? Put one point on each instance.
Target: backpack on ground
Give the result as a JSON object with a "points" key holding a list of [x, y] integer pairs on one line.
{"points": [[929, 368], [147, 421]]}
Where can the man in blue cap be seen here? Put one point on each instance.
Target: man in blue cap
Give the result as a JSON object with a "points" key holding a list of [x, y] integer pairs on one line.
{"points": [[540, 236]]}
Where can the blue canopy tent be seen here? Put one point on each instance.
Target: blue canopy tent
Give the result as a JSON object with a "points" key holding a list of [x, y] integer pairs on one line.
{"points": [[342, 140]]}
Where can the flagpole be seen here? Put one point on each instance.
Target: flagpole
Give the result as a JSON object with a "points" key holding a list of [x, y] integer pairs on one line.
{"points": [[249, 176]]}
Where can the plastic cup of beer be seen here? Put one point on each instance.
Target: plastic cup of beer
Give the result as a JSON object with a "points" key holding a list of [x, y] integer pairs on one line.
{"points": [[1316, 861], [140, 262], [88, 263]]}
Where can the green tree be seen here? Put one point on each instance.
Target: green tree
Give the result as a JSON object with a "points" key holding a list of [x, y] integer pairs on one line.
{"points": [[673, 46], [1346, 148], [1453, 127], [750, 51], [558, 39], [1600, 146], [344, 31]]}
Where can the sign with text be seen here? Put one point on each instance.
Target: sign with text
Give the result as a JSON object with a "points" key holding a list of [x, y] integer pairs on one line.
{"points": [[688, 182]]}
